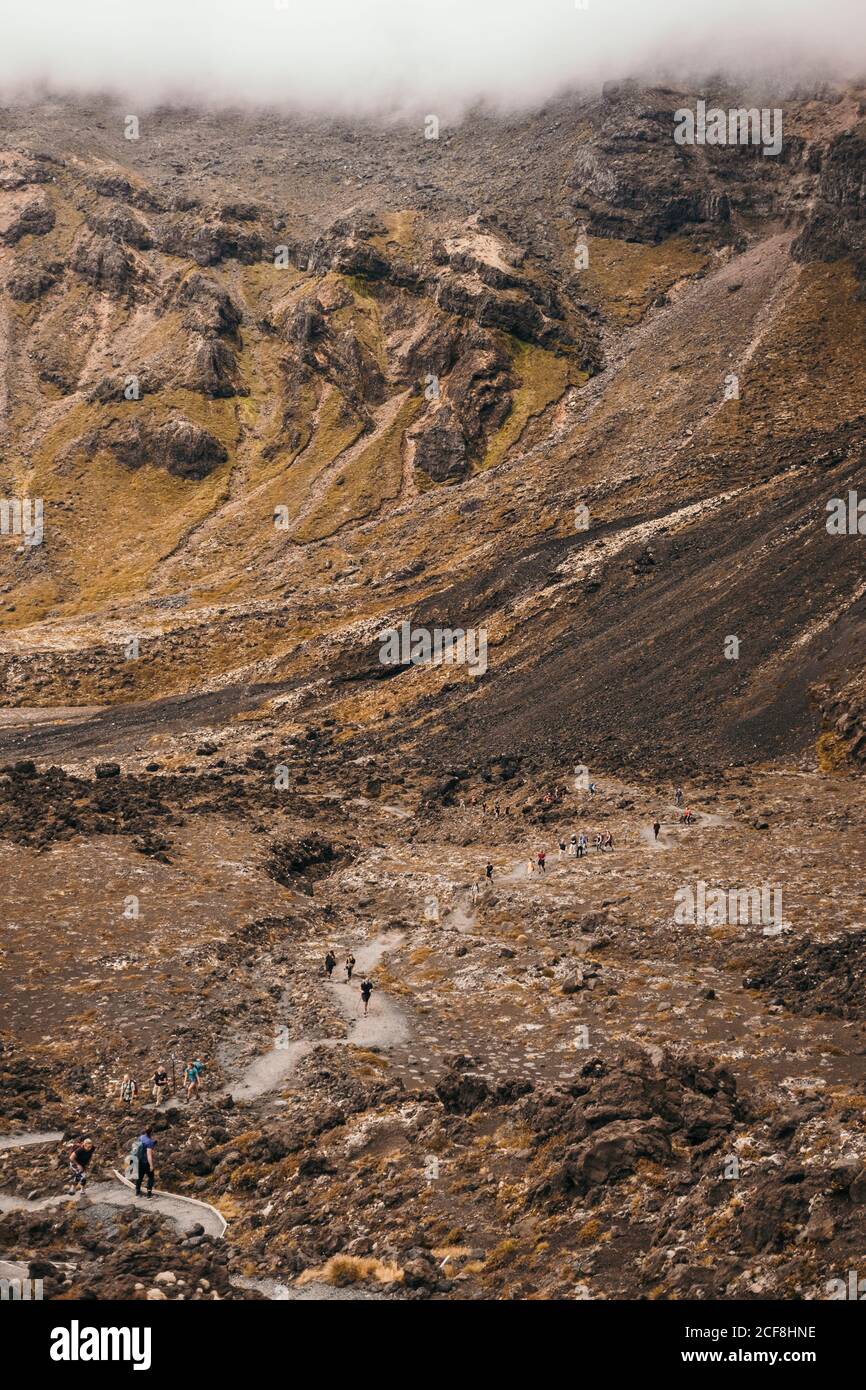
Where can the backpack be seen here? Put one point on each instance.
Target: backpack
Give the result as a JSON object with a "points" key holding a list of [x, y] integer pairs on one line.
{"points": [[136, 1153]]}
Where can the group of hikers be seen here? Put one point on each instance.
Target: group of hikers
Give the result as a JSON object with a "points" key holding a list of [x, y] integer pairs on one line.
{"points": [[140, 1167], [160, 1086], [366, 983], [579, 844], [686, 817]]}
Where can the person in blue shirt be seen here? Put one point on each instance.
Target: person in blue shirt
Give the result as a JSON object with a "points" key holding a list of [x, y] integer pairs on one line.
{"points": [[146, 1170], [191, 1077]]}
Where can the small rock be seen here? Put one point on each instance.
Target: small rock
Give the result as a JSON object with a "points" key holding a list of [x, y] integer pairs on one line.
{"points": [[857, 1190]]}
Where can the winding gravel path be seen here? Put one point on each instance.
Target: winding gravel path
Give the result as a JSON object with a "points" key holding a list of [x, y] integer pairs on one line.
{"points": [[384, 1026], [185, 1212]]}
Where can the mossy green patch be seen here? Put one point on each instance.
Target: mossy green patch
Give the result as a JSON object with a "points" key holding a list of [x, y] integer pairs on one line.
{"points": [[542, 378]]}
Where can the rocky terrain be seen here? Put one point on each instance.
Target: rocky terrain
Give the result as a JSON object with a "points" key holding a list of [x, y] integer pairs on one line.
{"points": [[281, 385]]}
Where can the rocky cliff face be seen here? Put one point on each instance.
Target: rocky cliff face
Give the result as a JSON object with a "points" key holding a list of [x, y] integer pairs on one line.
{"points": [[368, 374]]}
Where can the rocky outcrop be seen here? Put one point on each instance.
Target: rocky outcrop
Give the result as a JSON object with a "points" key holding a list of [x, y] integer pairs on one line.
{"points": [[24, 215], [618, 1113], [30, 281], [511, 310], [104, 264], [817, 977], [308, 858], [836, 226], [476, 399], [214, 370], [207, 307], [211, 243], [19, 170], [115, 185], [441, 451], [181, 447], [122, 226], [843, 717]]}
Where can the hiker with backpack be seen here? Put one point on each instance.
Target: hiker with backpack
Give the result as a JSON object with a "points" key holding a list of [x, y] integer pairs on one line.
{"points": [[330, 962], [142, 1162], [366, 991], [191, 1077], [128, 1090], [350, 966]]}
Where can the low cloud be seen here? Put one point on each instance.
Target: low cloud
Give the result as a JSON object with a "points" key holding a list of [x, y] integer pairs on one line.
{"points": [[391, 56]]}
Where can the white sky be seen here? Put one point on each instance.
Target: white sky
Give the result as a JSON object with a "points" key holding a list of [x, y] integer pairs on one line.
{"points": [[435, 55]]}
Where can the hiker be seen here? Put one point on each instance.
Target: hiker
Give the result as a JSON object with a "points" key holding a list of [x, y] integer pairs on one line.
{"points": [[574, 844], [142, 1154], [330, 962], [656, 828], [488, 872], [475, 891], [79, 1157], [350, 966], [561, 848], [191, 1078], [678, 796], [687, 817], [366, 991], [128, 1090], [530, 868], [583, 843], [607, 842], [541, 860], [496, 809], [598, 841], [592, 788], [159, 1081]]}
